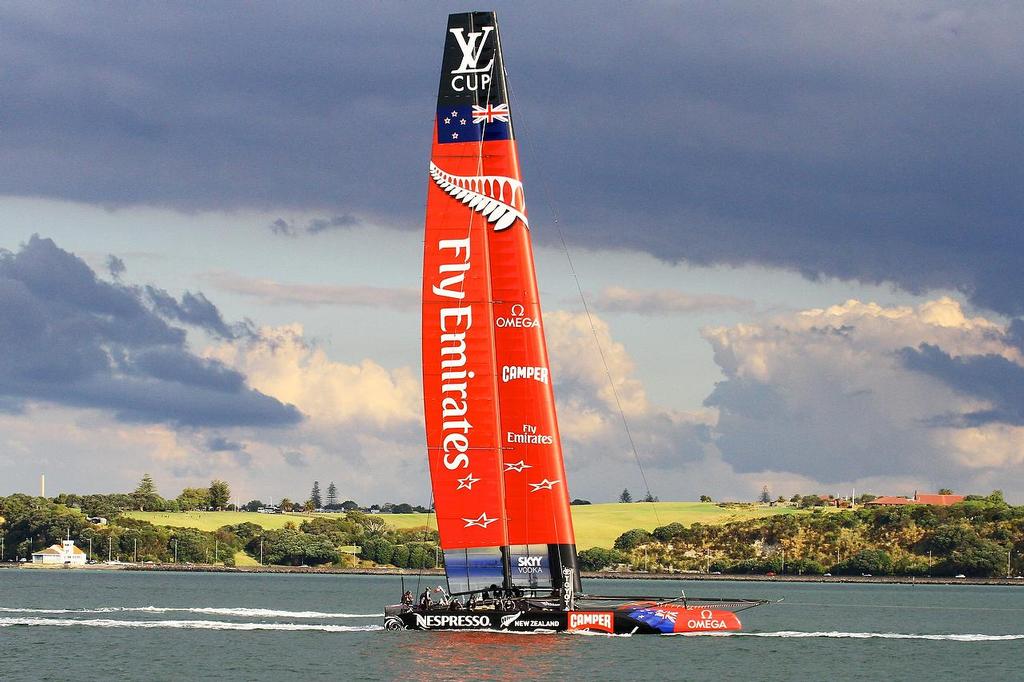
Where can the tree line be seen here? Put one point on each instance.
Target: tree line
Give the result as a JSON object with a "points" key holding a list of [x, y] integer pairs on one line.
{"points": [[979, 537], [29, 524]]}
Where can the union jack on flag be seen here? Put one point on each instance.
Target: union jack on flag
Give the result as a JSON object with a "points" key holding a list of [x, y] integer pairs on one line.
{"points": [[490, 113]]}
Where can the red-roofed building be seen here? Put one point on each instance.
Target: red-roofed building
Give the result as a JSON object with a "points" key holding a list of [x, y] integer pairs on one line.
{"points": [[919, 498], [938, 500], [889, 501]]}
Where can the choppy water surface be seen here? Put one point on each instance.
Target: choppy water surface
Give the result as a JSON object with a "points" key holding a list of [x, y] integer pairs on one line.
{"points": [[161, 626]]}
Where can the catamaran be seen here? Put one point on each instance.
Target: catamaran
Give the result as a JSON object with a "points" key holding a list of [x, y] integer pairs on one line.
{"points": [[495, 458]]}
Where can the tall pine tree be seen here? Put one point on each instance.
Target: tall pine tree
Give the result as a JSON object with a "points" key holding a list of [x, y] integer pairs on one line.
{"points": [[145, 495], [332, 495], [314, 496]]}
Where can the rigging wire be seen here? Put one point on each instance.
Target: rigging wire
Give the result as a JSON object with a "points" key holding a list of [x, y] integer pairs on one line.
{"points": [[586, 307]]}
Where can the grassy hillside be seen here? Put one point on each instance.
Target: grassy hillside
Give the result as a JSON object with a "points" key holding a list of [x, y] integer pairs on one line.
{"points": [[597, 525]]}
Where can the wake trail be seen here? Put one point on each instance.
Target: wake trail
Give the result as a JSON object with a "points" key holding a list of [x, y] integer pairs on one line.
{"points": [[180, 624], [208, 610]]}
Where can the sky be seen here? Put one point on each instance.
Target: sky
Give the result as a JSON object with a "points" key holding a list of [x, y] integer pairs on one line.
{"points": [[796, 226]]}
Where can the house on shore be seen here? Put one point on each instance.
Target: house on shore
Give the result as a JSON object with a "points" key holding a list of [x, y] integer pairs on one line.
{"points": [[62, 554], [918, 498]]}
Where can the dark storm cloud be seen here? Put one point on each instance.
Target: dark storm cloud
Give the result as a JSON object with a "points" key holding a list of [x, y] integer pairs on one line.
{"points": [[286, 228], [115, 266], [283, 228], [236, 449], [337, 222], [72, 339], [196, 310], [992, 378], [871, 141], [222, 444]]}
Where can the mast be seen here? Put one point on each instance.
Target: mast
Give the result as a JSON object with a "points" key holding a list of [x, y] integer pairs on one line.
{"points": [[492, 435]]}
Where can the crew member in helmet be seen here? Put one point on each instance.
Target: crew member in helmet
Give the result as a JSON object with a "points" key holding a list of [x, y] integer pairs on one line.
{"points": [[425, 600]]}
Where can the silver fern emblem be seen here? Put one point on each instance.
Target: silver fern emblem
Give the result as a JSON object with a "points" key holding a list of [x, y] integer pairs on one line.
{"points": [[497, 198]]}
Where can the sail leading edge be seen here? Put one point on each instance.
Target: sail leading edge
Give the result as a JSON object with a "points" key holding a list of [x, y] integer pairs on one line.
{"points": [[496, 465]]}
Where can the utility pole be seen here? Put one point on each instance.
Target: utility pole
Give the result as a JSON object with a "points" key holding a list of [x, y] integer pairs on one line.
{"points": [[216, 550], [261, 551], [135, 544], [1009, 552], [783, 560], [175, 550], [108, 549], [90, 549]]}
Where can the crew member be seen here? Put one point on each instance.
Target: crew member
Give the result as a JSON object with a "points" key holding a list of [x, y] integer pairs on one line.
{"points": [[407, 598], [425, 599]]}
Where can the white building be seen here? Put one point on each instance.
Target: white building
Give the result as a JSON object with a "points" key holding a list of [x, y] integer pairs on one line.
{"points": [[64, 553]]}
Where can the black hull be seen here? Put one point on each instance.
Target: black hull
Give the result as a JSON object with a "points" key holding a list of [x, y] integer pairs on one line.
{"points": [[594, 622]]}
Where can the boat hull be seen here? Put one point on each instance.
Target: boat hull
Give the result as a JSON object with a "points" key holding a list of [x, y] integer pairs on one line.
{"points": [[659, 620]]}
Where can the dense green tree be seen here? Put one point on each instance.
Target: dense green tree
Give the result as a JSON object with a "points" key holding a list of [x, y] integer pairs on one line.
{"points": [[332, 496], [400, 556], [220, 494], [314, 496], [625, 496], [871, 561], [192, 499], [976, 557], [670, 532], [597, 558], [341, 531], [804, 567], [765, 497], [632, 539], [419, 557], [705, 498], [145, 496], [292, 547]]}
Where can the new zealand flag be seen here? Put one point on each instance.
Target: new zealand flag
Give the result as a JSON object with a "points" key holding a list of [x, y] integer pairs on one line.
{"points": [[472, 123], [657, 618]]}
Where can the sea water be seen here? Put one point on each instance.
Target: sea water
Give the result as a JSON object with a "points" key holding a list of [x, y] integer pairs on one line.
{"points": [[111, 625]]}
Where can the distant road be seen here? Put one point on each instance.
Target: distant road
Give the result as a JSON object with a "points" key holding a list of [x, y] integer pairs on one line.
{"points": [[590, 575]]}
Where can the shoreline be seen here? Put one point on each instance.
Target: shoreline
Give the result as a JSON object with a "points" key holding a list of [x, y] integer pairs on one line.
{"points": [[589, 575]]}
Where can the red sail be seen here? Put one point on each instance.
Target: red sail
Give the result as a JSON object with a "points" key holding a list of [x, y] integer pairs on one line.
{"points": [[495, 456]]}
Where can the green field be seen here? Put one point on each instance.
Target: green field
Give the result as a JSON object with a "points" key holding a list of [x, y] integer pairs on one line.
{"points": [[597, 525]]}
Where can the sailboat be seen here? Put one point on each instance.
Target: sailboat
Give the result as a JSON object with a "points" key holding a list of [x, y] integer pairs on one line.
{"points": [[495, 457]]}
